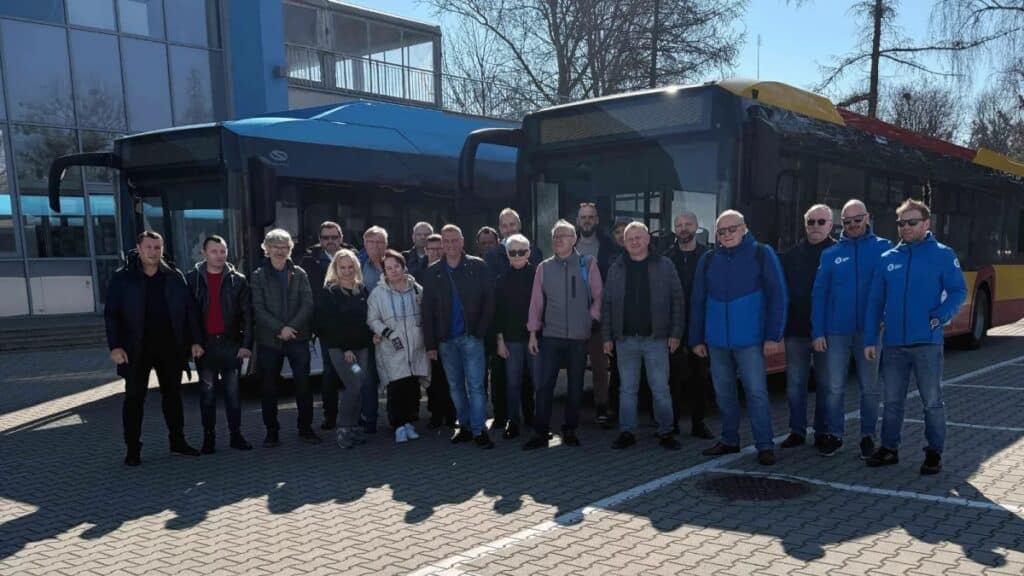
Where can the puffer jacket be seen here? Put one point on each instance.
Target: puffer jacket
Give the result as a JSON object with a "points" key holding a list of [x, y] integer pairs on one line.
{"points": [[913, 284], [841, 285], [395, 317]]}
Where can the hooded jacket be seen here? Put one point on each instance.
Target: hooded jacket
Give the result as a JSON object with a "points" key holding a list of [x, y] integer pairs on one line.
{"points": [[913, 284], [739, 298], [395, 317], [840, 293], [235, 302], [125, 311]]}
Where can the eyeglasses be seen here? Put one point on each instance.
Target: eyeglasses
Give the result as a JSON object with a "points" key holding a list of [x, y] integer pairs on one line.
{"points": [[588, 205], [728, 229], [563, 236], [818, 222], [852, 219], [329, 238], [516, 253], [909, 222]]}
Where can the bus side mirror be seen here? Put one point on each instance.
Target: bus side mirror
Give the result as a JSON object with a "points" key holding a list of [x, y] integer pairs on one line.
{"points": [[511, 137], [60, 166], [263, 183]]}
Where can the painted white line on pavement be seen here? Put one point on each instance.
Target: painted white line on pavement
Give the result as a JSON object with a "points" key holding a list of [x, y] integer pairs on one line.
{"points": [[973, 426], [984, 387], [450, 565], [953, 500]]}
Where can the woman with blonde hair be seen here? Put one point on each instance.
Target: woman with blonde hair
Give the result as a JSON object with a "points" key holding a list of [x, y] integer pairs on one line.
{"points": [[341, 324]]}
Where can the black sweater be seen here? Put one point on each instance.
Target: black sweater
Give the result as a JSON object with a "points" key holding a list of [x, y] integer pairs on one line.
{"points": [[341, 319], [800, 265], [512, 306]]}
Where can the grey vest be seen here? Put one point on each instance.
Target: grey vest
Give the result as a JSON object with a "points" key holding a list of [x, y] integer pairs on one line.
{"points": [[566, 299]]}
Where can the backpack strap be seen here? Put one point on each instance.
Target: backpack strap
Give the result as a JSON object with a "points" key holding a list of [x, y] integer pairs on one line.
{"points": [[585, 276]]}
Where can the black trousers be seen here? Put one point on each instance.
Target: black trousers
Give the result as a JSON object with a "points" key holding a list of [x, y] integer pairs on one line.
{"points": [[404, 401], [270, 361], [688, 383], [439, 398], [168, 366]]}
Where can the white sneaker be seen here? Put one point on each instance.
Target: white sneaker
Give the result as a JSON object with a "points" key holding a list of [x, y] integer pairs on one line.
{"points": [[401, 435], [410, 432]]}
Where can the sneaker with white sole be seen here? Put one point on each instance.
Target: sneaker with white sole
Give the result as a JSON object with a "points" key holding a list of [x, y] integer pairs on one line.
{"points": [[410, 432], [345, 438], [401, 435]]}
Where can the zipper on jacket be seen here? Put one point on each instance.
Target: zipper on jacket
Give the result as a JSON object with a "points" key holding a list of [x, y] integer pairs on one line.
{"points": [[906, 290], [856, 282], [728, 332], [565, 269]]}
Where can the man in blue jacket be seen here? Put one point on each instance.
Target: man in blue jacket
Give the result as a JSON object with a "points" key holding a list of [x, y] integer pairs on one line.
{"points": [[738, 312], [838, 301], [918, 288]]}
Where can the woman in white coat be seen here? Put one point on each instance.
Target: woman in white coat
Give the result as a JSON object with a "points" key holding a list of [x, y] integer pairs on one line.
{"points": [[394, 319]]}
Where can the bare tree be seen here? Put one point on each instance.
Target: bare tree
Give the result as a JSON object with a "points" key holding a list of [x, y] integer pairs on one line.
{"points": [[984, 28], [922, 107], [998, 123], [563, 50]]}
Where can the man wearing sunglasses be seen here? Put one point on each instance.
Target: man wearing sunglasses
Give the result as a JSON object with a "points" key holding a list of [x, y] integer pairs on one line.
{"points": [[917, 290], [839, 300], [800, 266], [738, 317]]}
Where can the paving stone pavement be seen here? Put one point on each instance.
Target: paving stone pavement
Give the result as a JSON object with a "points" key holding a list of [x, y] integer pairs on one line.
{"points": [[67, 505]]}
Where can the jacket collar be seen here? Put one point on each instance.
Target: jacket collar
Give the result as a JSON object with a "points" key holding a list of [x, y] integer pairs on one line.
{"points": [[869, 232]]}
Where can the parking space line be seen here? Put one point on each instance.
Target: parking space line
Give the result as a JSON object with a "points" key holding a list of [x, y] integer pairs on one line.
{"points": [[450, 566], [972, 426], [985, 387], [862, 489]]}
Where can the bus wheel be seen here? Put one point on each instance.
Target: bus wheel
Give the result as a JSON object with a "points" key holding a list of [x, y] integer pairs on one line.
{"points": [[979, 324]]}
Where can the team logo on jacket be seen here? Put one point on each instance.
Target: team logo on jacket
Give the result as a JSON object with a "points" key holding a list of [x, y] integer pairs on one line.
{"points": [[892, 267], [840, 259], [956, 262]]}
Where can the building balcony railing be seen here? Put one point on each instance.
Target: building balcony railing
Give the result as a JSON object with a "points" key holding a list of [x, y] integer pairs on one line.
{"points": [[354, 75]]}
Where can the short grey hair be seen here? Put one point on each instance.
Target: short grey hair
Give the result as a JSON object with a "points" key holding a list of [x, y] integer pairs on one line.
{"points": [[452, 228], [635, 224], [564, 225], [516, 239], [376, 231], [507, 212], [728, 213], [277, 237], [817, 207], [854, 202], [426, 225]]}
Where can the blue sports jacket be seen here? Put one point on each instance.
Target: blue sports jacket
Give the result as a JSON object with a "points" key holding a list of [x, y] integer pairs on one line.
{"points": [[913, 284], [739, 300], [841, 286]]}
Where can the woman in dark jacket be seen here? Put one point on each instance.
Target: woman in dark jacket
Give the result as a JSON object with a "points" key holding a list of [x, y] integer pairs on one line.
{"points": [[341, 323], [512, 306]]}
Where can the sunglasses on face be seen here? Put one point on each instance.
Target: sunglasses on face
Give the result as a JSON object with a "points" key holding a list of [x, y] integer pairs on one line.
{"points": [[854, 219], [517, 253], [329, 238], [728, 229], [909, 222], [818, 222]]}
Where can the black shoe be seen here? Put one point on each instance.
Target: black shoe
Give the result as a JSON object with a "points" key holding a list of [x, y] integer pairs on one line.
{"points": [[793, 440], [766, 457], [133, 456], [309, 437], [719, 449], [238, 442], [435, 422], [675, 429], [182, 448], [625, 440], [272, 440], [569, 438], [327, 425], [932, 463], [883, 457], [867, 447], [701, 430], [830, 446], [536, 441], [669, 442], [511, 431], [602, 417], [819, 440], [209, 444], [483, 441], [370, 428], [462, 435]]}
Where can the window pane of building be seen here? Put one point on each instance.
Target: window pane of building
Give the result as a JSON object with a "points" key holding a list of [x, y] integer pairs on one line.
{"points": [[148, 90], [92, 13], [194, 22], [46, 10], [197, 82], [385, 43], [142, 17], [300, 25], [419, 51], [99, 184], [48, 233], [99, 99], [7, 242], [38, 79], [349, 35]]}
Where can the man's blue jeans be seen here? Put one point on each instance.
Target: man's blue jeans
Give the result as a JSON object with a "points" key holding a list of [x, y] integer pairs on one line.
{"points": [[463, 360], [748, 364], [221, 360], [798, 372], [552, 352], [519, 363], [840, 348], [925, 362], [652, 354]]}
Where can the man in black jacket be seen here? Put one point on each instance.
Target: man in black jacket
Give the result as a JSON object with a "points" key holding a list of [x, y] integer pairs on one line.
{"points": [[222, 296], [689, 373], [800, 265], [151, 324], [458, 304]]}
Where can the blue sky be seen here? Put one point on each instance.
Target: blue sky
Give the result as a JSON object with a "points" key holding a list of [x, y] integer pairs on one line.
{"points": [[794, 41]]}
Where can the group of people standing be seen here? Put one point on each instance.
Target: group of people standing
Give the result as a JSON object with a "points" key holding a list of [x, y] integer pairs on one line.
{"points": [[503, 324]]}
